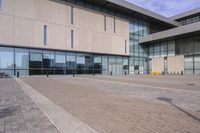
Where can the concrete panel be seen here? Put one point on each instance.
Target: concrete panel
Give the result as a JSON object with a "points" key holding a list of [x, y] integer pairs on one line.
{"points": [[84, 40], [58, 35], [23, 32], [39, 34], [24, 8], [98, 23], [85, 19], [42, 10], [158, 65], [58, 13], [7, 7], [96, 41], [176, 64], [109, 25], [68, 15], [6, 29]]}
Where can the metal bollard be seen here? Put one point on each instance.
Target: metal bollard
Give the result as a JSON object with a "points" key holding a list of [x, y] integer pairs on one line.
{"points": [[73, 74], [47, 74], [17, 74], [111, 73]]}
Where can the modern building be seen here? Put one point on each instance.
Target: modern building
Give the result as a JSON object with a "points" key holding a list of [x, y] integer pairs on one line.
{"points": [[95, 36]]}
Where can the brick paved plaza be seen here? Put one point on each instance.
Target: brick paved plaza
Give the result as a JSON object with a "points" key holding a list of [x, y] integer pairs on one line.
{"points": [[118, 104], [18, 113]]}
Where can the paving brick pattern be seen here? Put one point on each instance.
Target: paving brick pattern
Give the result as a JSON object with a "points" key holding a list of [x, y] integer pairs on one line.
{"points": [[124, 108], [18, 113]]}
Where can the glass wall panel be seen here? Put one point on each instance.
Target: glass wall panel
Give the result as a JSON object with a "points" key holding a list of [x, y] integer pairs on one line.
{"points": [[188, 45], [22, 62], [7, 71], [6, 58], [71, 62], [197, 43], [105, 65], [84, 64], [197, 62], [189, 63], [180, 50], [97, 65], [48, 62], [112, 65], [60, 63], [35, 63], [171, 48]]}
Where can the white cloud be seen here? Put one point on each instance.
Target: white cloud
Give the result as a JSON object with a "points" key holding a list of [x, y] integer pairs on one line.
{"points": [[167, 7]]}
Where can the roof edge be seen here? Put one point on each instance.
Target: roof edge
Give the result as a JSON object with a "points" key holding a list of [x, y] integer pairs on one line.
{"points": [[185, 14]]}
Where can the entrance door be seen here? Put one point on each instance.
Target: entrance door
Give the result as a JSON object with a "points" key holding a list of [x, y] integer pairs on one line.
{"points": [[111, 69], [131, 70], [141, 69]]}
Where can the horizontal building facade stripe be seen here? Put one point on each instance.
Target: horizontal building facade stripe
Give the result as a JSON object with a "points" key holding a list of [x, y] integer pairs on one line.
{"points": [[186, 14], [170, 33], [134, 10]]}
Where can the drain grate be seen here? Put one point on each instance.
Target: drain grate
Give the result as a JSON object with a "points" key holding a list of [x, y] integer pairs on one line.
{"points": [[164, 99], [190, 84]]}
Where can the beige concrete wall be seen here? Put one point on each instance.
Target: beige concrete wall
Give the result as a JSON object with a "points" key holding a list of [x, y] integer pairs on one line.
{"points": [[176, 64], [22, 24], [6, 29], [158, 65]]}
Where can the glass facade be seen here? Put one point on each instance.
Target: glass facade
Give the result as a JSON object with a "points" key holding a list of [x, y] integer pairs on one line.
{"points": [[189, 46], [162, 49], [190, 20], [40, 62], [138, 53]]}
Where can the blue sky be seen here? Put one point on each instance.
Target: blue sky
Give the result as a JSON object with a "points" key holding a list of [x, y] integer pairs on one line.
{"points": [[167, 7]]}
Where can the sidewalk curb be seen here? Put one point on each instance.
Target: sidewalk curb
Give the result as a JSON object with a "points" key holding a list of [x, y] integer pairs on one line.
{"points": [[62, 120]]}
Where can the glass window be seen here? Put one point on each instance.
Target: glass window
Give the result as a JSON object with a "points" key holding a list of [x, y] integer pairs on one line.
{"points": [[60, 59], [197, 43], [111, 59], [98, 64], [71, 60], [104, 23], [197, 62], [135, 27], [22, 58], [157, 48], [6, 58], [105, 65], [180, 49], [48, 59], [72, 38], [188, 45], [45, 35], [189, 63], [35, 63], [171, 45]]}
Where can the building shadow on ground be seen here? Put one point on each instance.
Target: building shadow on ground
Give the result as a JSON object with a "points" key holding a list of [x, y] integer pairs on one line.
{"points": [[169, 101], [8, 111]]}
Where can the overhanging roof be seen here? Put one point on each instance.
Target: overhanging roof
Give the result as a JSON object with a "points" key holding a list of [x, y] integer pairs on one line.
{"points": [[133, 10], [186, 14], [186, 29]]}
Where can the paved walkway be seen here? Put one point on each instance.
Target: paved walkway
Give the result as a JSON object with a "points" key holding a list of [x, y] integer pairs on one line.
{"points": [[18, 113], [118, 106], [64, 121]]}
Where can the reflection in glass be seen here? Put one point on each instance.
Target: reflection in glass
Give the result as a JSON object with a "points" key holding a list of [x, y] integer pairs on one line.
{"points": [[22, 58], [6, 58]]}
